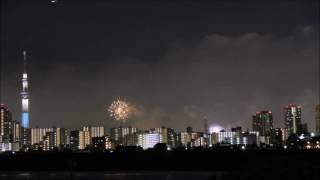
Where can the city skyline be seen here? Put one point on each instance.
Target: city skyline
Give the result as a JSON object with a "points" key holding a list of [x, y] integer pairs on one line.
{"points": [[262, 122], [174, 78]]}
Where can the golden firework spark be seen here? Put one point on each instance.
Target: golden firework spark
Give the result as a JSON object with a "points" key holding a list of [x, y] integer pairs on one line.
{"points": [[120, 110]]}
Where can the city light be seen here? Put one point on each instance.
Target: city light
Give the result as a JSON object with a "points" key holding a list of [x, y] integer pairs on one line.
{"points": [[215, 129]]}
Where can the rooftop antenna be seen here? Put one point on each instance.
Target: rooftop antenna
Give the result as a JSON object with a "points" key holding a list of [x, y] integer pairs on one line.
{"points": [[24, 61], [205, 121]]}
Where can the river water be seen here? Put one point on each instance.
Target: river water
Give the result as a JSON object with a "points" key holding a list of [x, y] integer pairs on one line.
{"points": [[181, 175]]}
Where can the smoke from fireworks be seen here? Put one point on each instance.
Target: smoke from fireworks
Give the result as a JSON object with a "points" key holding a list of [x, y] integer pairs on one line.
{"points": [[120, 110]]}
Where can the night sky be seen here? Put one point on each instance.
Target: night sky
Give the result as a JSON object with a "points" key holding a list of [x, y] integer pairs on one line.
{"points": [[176, 61]]}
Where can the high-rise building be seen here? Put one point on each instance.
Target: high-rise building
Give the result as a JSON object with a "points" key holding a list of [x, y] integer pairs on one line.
{"points": [[235, 138], [163, 131], [318, 118], [16, 131], [37, 134], [25, 94], [95, 131], [123, 135], [62, 137], [185, 139], [25, 141], [293, 118], [50, 141], [148, 139], [99, 143], [6, 125], [171, 138], [213, 138], [263, 123], [199, 142], [226, 136], [167, 135], [84, 139], [278, 137], [74, 140]]}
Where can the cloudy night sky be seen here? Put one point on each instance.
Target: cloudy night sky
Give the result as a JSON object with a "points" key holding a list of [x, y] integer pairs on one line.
{"points": [[175, 61]]}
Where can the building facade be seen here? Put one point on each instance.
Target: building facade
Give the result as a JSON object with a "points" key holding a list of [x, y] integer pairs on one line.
{"points": [[293, 118], [124, 136], [167, 136], [148, 139], [38, 134], [6, 125], [262, 122], [74, 140]]}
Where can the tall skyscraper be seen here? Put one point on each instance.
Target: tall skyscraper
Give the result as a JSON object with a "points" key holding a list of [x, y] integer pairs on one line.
{"points": [[318, 118], [25, 94], [262, 122], [6, 125], [293, 118]]}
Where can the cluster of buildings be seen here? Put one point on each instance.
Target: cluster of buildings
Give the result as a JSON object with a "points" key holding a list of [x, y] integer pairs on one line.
{"points": [[15, 137], [18, 136]]}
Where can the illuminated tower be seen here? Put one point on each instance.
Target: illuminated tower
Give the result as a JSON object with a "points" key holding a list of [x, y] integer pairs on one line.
{"points": [[25, 94], [293, 118]]}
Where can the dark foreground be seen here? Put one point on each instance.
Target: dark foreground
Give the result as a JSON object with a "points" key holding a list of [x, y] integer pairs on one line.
{"points": [[262, 164]]}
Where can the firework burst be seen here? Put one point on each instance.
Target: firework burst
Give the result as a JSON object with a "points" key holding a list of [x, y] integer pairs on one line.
{"points": [[120, 110]]}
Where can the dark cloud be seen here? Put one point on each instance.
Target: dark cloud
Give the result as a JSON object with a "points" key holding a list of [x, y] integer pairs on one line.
{"points": [[174, 71], [225, 78]]}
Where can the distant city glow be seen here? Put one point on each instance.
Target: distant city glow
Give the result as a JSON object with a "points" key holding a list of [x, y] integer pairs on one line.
{"points": [[215, 129]]}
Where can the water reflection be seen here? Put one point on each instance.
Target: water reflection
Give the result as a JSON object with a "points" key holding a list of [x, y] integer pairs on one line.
{"points": [[113, 175]]}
